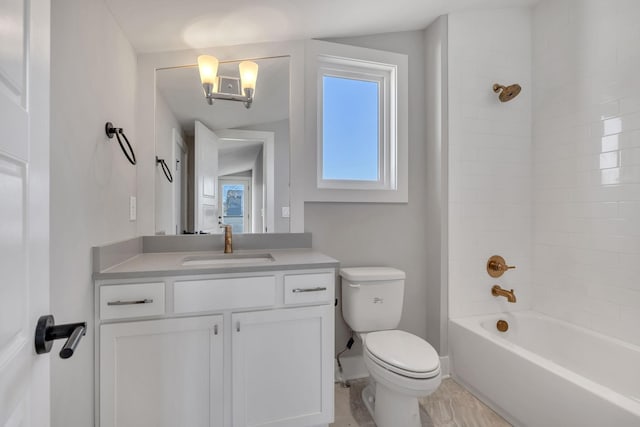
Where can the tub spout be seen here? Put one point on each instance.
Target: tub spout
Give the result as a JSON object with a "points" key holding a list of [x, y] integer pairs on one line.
{"points": [[497, 291]]}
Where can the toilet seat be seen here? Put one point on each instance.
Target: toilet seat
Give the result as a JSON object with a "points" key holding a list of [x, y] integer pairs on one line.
{"points": [[402, 353]]}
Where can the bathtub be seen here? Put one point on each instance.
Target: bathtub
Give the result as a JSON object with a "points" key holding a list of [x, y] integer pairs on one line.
{"points": [[545, 372]]}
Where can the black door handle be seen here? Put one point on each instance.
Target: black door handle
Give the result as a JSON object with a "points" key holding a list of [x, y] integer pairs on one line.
{"points": [[47, 332]]}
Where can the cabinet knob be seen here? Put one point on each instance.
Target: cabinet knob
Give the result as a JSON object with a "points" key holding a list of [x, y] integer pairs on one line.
{"points": [[238, 326]]}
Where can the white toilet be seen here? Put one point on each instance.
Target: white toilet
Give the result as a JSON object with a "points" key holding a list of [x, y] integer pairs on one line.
{"points": [[402, 366]]}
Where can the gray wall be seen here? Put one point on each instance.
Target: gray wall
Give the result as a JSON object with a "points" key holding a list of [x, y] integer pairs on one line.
{"points": [[366, 234], [166, 121], [93, 80], [436, 81]]}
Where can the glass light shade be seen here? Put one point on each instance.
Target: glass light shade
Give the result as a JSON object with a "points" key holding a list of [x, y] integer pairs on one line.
{"points": [[208, 66], [248, 74]]}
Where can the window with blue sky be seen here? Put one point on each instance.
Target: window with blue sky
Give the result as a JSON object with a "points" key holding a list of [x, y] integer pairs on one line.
{"points": [[350, 129]]}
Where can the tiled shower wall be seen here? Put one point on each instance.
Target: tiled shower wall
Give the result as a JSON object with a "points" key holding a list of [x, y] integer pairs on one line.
{"points": [[489, 158], [586, 163]]}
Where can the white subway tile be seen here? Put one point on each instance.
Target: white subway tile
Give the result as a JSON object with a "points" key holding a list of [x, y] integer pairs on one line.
{"points": [[610, 143], [630, 174], [630, 104], [609, 160], [596, 235], [621, 296], [630, 157], [630, 139]]}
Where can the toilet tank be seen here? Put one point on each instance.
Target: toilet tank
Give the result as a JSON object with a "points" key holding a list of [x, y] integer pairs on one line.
{"points": [[372, 297]]}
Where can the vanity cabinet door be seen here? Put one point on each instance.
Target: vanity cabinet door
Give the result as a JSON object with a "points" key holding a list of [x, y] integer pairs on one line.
{"points": [[282, 367], [162, 373]]}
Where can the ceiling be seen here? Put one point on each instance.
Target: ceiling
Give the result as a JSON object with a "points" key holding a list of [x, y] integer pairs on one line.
{"points": [[237, 156], [160, 25]]}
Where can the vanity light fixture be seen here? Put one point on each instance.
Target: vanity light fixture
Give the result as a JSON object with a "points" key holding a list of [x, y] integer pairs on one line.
{"points": [[228, 88]]}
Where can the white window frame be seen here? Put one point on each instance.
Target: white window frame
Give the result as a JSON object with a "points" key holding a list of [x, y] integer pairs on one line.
{"points": [[353, 61], [385, 75]]}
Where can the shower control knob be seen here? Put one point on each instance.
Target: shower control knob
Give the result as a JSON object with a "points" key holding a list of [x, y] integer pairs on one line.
{"points": [[496, 266]]}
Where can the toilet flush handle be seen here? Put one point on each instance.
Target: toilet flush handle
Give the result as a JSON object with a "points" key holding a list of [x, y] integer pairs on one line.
{"points": [[354, 285]]}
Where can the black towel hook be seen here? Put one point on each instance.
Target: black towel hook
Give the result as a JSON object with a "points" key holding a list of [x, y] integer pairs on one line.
{"points": [[111, 130], [47, 331], [165, 169]]}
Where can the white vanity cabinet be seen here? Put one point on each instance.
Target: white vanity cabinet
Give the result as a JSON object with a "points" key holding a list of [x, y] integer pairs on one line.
{"points": [[282, 374], [252, 349], [162, 373]]}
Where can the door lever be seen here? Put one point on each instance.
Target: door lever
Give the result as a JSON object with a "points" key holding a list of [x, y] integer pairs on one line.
{"points": [[47, 332]]}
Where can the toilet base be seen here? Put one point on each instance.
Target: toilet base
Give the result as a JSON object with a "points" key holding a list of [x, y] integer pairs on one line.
{"points": [[369, 397], [390, 409]]}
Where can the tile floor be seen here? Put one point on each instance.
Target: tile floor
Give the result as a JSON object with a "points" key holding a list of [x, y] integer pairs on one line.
{"points": [[450, 406]]}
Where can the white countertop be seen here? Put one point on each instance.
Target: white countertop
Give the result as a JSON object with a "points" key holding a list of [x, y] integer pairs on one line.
{"points": [[170, 263]]}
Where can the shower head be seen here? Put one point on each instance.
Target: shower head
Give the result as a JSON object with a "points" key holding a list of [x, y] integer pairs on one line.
{"points": [[507, 93]]}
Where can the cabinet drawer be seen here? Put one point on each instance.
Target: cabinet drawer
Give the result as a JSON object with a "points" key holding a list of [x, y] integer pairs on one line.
{"points": [[224, 294], [308, 288], [132, 300]]}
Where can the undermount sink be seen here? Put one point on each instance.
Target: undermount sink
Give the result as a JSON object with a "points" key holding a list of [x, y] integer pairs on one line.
{"points": [[228, 259]]}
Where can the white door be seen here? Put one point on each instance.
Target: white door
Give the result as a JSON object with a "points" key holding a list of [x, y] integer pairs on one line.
{"points": [[282, 373], [206, 175], [234, 203], [24, 210], [162, 373], [178, 187]]}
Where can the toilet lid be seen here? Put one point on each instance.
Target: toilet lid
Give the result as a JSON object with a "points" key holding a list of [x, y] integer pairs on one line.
{"points": [[404, 353]]}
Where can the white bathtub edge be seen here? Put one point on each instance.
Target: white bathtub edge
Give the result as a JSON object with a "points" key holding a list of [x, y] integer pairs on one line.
{"points": [[472, 326], [484, 399]]}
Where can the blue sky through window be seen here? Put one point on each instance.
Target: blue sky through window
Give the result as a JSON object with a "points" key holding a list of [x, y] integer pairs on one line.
{"points": [[350, 129]]}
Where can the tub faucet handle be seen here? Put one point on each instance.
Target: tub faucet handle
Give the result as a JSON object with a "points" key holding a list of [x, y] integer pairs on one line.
{"points": [[496, 266]]}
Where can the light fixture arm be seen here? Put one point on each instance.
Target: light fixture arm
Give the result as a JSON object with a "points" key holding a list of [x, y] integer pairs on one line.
{"points": [[248, 92], [208, 92], [211, 95]]}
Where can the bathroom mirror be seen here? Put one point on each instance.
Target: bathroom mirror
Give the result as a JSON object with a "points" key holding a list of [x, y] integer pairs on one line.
{"points": [[228, 164]]}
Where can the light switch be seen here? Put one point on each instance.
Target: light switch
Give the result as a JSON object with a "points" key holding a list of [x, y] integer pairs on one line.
{"points": [[285, 212], [133, 209]]}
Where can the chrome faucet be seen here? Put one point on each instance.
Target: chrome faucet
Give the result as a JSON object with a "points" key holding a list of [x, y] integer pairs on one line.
{"points": [[228, 239], [497, 291]]}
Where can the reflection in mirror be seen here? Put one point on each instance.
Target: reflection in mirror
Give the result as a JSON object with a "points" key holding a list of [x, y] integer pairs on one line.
{"points": [[230, 164]]}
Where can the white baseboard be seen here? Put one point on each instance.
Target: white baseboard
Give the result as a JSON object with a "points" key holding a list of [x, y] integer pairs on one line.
{"points": [[445, 367], [352, 368]]}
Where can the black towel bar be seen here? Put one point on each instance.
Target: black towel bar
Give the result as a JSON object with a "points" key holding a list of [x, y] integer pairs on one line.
{"points": [[112, 130], [165, 169]]}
